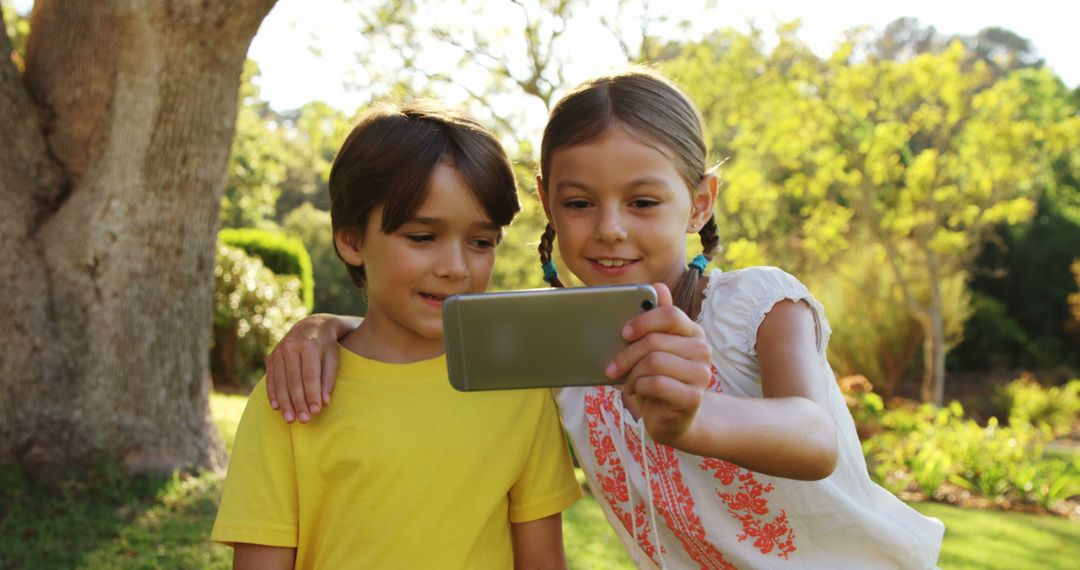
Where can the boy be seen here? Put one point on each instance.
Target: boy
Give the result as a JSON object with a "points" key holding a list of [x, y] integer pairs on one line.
{"points": [[403, 471]]}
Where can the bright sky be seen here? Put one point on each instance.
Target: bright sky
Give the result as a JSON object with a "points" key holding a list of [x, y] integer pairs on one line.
{"points": [[293, 75]]}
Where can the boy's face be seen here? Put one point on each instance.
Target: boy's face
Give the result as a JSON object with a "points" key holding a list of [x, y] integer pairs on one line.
{"points": [[448, 247], [621, 211]]}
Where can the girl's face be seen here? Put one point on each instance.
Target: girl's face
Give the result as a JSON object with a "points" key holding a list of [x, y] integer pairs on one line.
{"points": [[621, 211], [448, 247]]}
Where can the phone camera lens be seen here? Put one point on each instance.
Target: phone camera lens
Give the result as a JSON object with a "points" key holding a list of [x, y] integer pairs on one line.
{"points": [[646, 304]]}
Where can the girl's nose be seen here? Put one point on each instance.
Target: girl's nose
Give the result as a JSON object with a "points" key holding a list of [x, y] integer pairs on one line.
{"points": [[451, 264], [609, 227]]}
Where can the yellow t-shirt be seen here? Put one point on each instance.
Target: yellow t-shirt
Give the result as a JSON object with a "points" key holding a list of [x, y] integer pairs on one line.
{"points": [[402, 471]]}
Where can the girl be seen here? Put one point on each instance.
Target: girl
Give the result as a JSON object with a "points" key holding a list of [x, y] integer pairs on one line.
{"points": [[750, 459]]}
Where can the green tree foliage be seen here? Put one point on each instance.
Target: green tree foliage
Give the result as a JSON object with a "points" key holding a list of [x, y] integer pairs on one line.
{"points": [[278, 252], [257, 163], [1021, 278], [253, 308], [873, 333], [334, 290], [1024, 281], [17, 27], [312, 136], [922, 157]]}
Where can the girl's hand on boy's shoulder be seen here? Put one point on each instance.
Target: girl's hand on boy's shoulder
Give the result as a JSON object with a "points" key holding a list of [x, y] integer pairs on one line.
{"points": [[667, 367], [302, 368]]}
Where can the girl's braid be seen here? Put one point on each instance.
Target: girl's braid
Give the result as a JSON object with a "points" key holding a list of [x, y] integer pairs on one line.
{"points": [[686, 295], [546, 241]]}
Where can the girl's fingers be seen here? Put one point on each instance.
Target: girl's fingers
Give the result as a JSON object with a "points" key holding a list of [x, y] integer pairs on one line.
{"points": [[329, 374], [294, 381], [673, 394], [693, 374], [270, 376], [281, 390], [667, 319], [689, 348], [311, 365]]}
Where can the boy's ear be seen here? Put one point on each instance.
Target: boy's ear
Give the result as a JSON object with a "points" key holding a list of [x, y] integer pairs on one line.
{"points": [[348, 246], [543, 196], [702, 199]]}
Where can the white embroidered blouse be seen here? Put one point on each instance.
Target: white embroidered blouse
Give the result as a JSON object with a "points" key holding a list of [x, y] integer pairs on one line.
{"points": [[708, 513]]}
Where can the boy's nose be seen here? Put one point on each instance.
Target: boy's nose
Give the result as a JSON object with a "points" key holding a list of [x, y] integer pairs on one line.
{"points": [[451, 264]]}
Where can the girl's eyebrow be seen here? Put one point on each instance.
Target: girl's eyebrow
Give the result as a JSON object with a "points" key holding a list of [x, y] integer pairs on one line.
{"points": [[647, 180]]}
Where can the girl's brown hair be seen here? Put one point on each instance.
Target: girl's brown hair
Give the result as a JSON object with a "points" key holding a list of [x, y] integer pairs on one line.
{"points": [[388, 158], [654, 111]]}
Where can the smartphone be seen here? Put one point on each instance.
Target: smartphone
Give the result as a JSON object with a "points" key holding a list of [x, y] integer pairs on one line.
{"points": [[538, 338]]}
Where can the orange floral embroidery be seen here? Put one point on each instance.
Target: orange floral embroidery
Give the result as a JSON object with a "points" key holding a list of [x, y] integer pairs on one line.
{"points": [[671, 497], [750, 506]]}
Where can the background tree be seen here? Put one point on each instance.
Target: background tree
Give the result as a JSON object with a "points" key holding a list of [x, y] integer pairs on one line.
{"points": [[256, 162], [923, 157], [112, 168], [1021, 278]]}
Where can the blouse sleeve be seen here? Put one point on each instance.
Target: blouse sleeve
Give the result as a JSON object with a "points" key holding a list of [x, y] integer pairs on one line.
{"points": [[743, 298]]}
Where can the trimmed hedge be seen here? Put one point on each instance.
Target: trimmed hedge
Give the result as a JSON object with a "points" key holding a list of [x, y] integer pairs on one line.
{"points": [[280, 253]]}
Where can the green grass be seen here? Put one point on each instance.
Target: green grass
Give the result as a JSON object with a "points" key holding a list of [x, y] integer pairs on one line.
{"points": [[988, 539], [103, 519]]}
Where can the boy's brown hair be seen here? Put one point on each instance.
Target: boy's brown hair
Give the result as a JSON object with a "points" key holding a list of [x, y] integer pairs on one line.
{"points": [[388, 158]]}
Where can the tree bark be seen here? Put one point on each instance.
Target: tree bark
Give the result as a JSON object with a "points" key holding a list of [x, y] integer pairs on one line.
{"points": [[933, 384], [111, 171]]}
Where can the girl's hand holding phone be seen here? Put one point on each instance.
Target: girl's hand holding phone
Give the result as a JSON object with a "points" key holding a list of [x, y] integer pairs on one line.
{"points": [[667, 367]]}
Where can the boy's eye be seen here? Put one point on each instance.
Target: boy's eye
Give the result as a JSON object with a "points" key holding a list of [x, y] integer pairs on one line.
{"points": [[419, 238], [576, 204], [484, 243]]}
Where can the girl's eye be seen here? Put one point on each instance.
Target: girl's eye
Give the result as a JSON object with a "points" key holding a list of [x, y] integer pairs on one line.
{"points": [[420, 238], [484, 243], [644, 203]]}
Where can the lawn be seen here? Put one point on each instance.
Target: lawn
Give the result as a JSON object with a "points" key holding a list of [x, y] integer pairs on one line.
{"points": [[107, 520]]}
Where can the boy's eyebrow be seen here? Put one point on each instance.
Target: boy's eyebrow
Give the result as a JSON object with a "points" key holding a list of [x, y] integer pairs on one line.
{"points": [[436, 221]]}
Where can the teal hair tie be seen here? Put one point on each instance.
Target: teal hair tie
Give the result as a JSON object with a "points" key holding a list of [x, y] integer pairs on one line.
{"points": [[550, 273], [700, 262]]}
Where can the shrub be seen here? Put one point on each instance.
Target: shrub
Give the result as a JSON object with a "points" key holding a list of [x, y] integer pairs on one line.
{"points": [[865, 406], [279, 253], [924, 448], [253, 308], [1028, 402]]}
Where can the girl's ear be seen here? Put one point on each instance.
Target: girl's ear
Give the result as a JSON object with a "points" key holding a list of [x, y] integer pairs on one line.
{"points": [[543, 196], [702, 199], [348, 246]]}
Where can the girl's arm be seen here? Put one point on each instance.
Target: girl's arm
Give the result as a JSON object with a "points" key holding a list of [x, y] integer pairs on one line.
{"points": [[538, 544], [302, 368], [787, 433], [258, 557]]}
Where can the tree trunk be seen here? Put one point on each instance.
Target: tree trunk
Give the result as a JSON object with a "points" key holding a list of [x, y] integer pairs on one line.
{"points": [[111, 171], [933, 384]]}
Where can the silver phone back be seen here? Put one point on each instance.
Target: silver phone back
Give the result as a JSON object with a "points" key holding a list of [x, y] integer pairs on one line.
{"points": [[540, 337]]}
